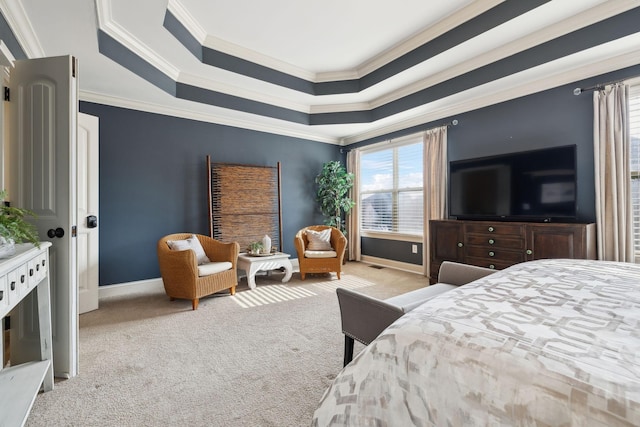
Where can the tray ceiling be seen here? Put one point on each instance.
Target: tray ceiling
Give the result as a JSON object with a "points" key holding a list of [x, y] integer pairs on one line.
{"points": [[334, 71]]}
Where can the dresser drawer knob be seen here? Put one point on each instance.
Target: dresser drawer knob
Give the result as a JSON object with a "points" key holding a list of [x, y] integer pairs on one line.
{"points": [[491, 229], [529, 251], [491, 253], [491, 266], [13, 285], [1, 295], [491, 241], [30, 272], [459, 244], [22, 278]]}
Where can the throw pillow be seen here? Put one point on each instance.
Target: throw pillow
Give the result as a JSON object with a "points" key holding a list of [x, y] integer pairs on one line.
{"points": [[191, 243], [319, 240]]}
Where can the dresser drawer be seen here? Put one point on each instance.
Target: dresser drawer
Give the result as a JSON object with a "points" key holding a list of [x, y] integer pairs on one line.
{"points": [[495, 254], [488, 263], [499, 241], [494, 229]]}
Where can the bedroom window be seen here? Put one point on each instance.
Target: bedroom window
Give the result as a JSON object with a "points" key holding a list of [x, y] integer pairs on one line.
{"points": [[634, 120], [391, 188]]}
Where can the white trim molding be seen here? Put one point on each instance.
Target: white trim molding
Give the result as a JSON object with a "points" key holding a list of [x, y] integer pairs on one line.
{"points": [[17, 18], [404, 266]]}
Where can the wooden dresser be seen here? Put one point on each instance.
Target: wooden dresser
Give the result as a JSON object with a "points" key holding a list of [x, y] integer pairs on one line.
{"points": [[496, 244], [24, 274]]}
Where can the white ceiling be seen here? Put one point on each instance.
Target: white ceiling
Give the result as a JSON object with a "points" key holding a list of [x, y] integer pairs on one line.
{"points": [[319, 41]]}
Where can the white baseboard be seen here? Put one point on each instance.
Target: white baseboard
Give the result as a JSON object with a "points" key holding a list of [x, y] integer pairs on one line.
{"points": [[130, 288], [152, 285], [404, 266]]}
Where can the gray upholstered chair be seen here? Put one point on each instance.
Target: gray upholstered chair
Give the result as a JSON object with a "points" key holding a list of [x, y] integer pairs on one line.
{"points": [[365, 317]]}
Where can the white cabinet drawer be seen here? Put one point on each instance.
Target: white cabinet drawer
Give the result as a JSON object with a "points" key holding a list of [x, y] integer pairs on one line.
{"points": [[21, 280], [36, 271], [4, 297]]}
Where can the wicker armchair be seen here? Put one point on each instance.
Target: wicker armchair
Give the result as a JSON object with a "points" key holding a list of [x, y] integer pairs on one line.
{"points": [[320, 265], [179, 269]]}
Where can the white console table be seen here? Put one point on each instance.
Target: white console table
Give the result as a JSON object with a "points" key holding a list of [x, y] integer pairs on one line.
{"points": [[25, 272]]}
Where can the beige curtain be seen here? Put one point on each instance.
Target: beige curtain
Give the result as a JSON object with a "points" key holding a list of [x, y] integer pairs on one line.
{"points": [[353, 223], [435, 184], [614, 219]]}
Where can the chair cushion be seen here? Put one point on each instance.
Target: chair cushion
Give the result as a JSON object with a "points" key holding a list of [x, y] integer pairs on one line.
{"points": [[319, 240], [213, 267], [191, 243], [320, 254]]}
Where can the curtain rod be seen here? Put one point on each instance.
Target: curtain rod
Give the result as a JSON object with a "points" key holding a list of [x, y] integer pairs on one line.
{"points": [[597, 86]]}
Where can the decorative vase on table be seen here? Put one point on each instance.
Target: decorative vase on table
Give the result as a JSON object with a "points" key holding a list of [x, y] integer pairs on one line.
{"points": [[7, 247], [266, 244]]}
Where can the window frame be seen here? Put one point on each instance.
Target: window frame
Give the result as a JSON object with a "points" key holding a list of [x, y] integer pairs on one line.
{"points": [[634, 94], [385, 146]]}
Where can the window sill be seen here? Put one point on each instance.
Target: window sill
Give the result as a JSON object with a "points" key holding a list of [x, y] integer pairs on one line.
{"points": [[391, 236]]}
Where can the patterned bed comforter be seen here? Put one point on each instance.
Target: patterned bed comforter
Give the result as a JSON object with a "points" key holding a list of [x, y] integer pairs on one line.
{"points": [[542, 343]]}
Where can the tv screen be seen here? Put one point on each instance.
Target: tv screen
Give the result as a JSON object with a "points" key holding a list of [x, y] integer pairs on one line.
{"points": [[537, 185]]}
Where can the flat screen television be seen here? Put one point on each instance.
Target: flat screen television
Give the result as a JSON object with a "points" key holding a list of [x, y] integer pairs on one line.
{"points": [[538, 185]]}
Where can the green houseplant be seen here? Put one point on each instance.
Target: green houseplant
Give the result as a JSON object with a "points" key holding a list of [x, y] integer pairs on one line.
{"points": [[14, 228], [334, 183]]}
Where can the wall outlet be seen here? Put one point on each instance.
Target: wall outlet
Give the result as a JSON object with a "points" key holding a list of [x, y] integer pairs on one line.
{"points": [[414, 249]]}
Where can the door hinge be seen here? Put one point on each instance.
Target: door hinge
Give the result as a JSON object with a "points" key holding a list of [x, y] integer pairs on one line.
{"points": [[74, 231], [74, 63], [7, 93]]}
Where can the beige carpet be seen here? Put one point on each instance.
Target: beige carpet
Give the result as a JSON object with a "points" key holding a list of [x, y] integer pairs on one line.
{"points": [[260, 358]]}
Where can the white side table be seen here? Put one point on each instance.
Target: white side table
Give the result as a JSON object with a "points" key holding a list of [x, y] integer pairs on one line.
{"points": [[252, 264]]}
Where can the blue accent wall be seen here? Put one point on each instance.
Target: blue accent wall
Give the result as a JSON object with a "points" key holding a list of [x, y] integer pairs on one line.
{"points": [[153, 182], [550, 118]]}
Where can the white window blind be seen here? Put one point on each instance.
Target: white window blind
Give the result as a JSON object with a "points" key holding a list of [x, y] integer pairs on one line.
{"points": [[391, 188], [634, 119]]}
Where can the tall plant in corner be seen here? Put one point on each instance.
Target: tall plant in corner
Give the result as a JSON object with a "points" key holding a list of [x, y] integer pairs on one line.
{"points": [[334, 183]]}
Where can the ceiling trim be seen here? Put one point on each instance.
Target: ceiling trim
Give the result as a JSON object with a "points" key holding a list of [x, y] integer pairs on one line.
{"points": [[17, 18], [108, 25], [505, 89], [162, 109], [457, 28], [603, 31]]}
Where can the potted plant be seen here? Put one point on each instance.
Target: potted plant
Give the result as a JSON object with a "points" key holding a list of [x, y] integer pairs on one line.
{"points": [[14, 228], [334, 183], [255, 248]]}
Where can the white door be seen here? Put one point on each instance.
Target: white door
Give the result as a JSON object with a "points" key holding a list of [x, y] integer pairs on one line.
{"points": [[88, 138], [43, 130]]}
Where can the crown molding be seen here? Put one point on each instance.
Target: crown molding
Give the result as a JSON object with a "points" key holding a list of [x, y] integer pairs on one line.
{"points": [[584, 19], [21, 26], [178, 10], [240, 92], [107, 24], [448, 23], [155, 108], [506, 89]]}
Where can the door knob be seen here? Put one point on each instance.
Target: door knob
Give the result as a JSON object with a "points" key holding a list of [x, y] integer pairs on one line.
{"points": [[92, 221], [58, 232]]}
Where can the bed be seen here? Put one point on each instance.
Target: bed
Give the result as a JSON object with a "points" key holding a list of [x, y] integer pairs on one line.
{"points": [[544, 343]]}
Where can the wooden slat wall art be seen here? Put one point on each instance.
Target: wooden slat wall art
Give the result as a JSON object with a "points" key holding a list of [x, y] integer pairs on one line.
{"points": [[244, 203]]}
